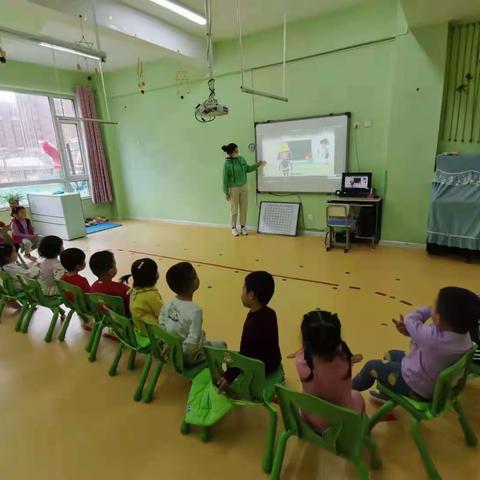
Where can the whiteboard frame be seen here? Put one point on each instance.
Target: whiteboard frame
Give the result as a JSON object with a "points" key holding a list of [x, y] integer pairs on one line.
{"points": [[347, 148]]}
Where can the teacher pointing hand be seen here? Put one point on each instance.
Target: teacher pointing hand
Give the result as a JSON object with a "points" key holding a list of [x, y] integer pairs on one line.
{"points": [[235, 187]]}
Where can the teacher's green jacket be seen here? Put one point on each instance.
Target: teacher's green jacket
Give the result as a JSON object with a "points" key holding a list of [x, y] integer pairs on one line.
{"points": [[235, 173]]}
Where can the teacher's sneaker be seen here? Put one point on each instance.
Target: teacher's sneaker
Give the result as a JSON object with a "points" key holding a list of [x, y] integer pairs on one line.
{"points": [[244, 231], [235, 232]]}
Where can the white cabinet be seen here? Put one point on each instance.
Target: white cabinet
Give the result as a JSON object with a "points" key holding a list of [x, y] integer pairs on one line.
{"points": [[60, 215]]}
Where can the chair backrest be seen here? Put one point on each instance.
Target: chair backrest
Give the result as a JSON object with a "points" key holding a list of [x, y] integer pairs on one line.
{"points": [[33, 290], [249, 384], [99, 304], [73, 297], [7, 286], [338, 210], [451, 382], [346, 428], [166, 346], [123, 328]]}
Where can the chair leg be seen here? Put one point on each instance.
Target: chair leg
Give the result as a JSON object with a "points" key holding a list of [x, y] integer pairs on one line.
{"points": [[96, 334], [143, 378], [470, 436], [206, 434], [380, 413], [147, 398], [113, 367], [185, 428], [279, 455], [131, 360], [28, 319], [88, 348], [22, 314], [347, 240], [66, 323], [2, 306], [271, 434], [422, 448], [362, 469], [375, 460], [51, 328]]}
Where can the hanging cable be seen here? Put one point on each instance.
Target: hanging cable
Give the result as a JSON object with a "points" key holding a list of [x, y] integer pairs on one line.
{"points": [[240, 42], [284, 51], [250, 90]]}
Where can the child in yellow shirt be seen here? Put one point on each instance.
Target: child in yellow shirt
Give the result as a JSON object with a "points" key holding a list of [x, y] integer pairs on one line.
{"points": [[145, 300]]}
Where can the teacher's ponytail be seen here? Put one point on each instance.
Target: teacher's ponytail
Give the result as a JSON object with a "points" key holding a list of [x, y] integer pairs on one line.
{"points": [[230, 148]]}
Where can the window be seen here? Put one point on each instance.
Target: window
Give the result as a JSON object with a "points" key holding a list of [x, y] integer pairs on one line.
{"points": [[41, 145]]}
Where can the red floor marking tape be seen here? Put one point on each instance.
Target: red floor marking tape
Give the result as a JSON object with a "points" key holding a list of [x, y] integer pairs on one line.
{"points": [[406, 303], [227, 267], [354, 288], [389, 418], [381, 294]]}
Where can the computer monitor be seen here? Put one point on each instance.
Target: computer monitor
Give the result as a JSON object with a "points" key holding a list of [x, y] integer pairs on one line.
{"points": [[356, 183]]}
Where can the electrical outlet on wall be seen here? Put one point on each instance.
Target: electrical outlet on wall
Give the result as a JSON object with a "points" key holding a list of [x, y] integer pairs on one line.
{"points": [[367, 124], [309, 216]]}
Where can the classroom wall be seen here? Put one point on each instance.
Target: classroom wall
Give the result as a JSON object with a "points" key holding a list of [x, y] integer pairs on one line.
{"points": [[363, 60], [39, 78]]}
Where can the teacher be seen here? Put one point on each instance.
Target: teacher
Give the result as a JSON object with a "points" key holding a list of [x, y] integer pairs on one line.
{"points": [[235, 187]]}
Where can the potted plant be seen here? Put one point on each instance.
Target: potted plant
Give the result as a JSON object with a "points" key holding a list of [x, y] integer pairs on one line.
{"points": [[13, 199]]}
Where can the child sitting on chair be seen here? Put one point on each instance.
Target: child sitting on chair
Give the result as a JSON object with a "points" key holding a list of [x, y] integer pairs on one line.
{"points": [[51, 269], [23, 232], [145, 300], [184, 317], [260, 330], [324, 365], [8, 263], [73, 261], [104, 267], [434, 347]]}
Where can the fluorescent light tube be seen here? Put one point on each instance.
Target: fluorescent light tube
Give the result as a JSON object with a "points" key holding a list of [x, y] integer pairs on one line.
{"points": [[183, 11], [69, 50]]}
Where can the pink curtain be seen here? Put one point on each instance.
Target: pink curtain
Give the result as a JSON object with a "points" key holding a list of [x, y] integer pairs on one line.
{"points": [[100, 184]]}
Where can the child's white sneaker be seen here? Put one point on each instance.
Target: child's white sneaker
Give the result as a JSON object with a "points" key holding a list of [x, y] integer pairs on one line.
{"points": [[235, 232], [244, 231]]}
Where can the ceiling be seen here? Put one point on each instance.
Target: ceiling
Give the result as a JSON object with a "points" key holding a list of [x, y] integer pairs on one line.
{"points": [[257, 15], [122, 51], [151, 32], [53, 18]]}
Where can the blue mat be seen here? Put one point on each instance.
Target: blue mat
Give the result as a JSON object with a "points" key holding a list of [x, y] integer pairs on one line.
{"points": [[101, 227]]}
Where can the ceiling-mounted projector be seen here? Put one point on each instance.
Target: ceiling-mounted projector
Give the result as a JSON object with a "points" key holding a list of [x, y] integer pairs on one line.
{"points": [[210, 108]]}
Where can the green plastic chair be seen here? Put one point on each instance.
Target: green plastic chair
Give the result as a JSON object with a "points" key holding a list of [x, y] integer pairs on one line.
{"points": [[134, 341], [250, 388], [99, 304], [347, 435], [34, 292], [448, 388], [8, 293], [74, 298], [167, 347]]}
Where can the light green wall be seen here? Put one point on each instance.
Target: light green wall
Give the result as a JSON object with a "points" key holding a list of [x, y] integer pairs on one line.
{"points": [[37, 78], [416, 98], [166, 165]]}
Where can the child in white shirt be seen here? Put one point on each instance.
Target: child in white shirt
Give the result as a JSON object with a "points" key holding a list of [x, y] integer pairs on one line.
{"points": [[184, 317], [51, 269], [8, 263]]}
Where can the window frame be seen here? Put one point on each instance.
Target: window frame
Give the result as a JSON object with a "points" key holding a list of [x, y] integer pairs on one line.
{"points": [[57, 120]]}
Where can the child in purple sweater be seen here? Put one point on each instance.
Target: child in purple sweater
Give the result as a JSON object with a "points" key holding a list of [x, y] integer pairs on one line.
{"points": [[434, 347]]}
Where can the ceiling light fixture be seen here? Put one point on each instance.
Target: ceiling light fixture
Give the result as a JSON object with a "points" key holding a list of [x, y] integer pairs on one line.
{"points": [[181, 10], [70, 50], [56, 44]]}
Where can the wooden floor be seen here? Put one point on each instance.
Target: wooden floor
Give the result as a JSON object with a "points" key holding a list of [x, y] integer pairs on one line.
{"points": [[64, 418]]}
